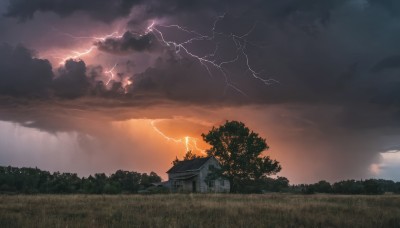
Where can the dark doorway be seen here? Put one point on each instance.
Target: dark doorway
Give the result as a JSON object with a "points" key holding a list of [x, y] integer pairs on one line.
{"points": [[194, 186]]}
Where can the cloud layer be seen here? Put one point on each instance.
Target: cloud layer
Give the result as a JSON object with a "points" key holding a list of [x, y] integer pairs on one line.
{"points": [[102, 10], [23, 75], [337, 63], [127, 44]]}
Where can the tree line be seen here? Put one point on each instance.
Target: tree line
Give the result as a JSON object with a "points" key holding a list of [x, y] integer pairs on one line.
{"points": [[350, 187], [34, 180], [345, 187]]}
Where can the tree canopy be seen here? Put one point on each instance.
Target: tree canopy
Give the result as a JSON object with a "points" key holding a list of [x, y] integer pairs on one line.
{"points": [[188, 156], [240, 153]]}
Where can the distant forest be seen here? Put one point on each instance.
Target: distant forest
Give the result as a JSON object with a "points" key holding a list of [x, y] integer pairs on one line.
{"points": [[35, 181]]}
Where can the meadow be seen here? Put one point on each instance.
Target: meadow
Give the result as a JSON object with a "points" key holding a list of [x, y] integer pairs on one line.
{"points": [[199, 210]]}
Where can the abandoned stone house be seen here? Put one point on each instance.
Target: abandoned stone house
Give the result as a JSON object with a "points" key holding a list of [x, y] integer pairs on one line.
{"points": [[190, 176]]}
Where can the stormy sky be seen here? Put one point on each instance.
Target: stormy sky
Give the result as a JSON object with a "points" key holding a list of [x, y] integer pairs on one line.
{"points": [[100, 85]]}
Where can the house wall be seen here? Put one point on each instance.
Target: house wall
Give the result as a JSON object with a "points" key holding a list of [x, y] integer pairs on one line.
{"points": [[220, 185], [187, 185]]}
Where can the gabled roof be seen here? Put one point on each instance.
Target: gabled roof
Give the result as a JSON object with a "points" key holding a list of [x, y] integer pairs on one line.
{"points": [[188, 165]]}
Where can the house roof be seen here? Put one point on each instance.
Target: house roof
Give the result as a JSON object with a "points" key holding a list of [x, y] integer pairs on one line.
{"points": [[188, 165], [185, 176]]}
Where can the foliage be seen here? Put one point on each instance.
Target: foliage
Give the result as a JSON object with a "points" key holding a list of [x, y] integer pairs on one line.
{"points": [[239, 152], [319, 187], [350, 187], [264, 185], [188, 156], [33, 180]]}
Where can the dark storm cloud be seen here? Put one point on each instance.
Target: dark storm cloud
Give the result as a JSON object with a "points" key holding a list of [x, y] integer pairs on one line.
{"points": [[24, 76], [76, 80], [319, 51], [390, 62], [182, 80], [387, 94], [386, 91], [127, 44], [103, 10], [21, 74], [305, 14], [391, 6], [72, 81]]}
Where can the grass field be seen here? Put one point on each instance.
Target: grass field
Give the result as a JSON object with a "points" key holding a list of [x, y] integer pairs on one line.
{"points": [[275, 210]]}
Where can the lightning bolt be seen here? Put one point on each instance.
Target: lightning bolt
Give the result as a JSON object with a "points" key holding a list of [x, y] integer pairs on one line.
{"points": [[209, 61], [79, 54], [111, 73], [190, 143], [101, 38], [76, 55]]}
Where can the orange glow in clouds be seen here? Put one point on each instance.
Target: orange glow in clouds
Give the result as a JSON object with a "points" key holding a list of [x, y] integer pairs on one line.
{"points": [[149, 144], [189, 142]]}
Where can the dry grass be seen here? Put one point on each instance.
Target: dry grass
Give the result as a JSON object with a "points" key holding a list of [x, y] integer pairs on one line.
{"points": [[275, 210]]}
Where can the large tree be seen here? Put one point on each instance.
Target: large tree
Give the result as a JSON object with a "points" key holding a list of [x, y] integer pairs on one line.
{"points": [[239, 152]]}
